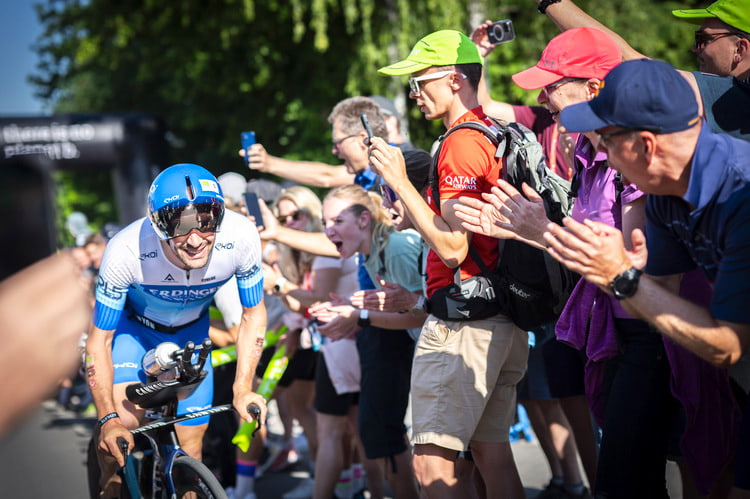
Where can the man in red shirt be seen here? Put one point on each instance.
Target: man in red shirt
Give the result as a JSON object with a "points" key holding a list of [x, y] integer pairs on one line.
{"points": [[465, 371]]}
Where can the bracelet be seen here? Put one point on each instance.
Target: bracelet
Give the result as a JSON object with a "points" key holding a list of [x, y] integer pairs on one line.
{"points": [[544, 4], [111, 415]]}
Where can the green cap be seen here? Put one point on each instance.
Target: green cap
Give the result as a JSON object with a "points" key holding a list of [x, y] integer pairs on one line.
{"points": [[441, 48], [735, 13]]}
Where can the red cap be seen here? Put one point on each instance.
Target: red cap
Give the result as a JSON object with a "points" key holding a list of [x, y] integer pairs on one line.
{"points": [[575, 53]]}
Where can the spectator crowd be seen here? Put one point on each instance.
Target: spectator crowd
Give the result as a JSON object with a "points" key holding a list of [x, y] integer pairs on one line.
{"points": [[406, 366]]}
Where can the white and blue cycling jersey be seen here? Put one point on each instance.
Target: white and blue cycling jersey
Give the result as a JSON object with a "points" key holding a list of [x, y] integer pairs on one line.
{"points": [[136, 278], [136, 273]]}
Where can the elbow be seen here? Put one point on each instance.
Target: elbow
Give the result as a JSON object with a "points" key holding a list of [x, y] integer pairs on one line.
{"points": [[452, 259], [726, 359]]}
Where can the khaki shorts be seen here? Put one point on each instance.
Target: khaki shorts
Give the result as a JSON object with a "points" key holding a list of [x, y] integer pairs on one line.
{"points": [[464, 379]]}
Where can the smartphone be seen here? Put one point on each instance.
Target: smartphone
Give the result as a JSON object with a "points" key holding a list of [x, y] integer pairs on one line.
{"points": [[501, 32], [366, 124], [253, 208], [247, 139]]}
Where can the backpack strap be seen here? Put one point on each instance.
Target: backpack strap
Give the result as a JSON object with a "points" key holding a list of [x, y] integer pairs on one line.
{"points": [[495, 138], [492, 135]]}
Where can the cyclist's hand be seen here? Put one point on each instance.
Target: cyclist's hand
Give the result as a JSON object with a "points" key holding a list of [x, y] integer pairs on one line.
{"points": [[109, 435], [242, 400]]}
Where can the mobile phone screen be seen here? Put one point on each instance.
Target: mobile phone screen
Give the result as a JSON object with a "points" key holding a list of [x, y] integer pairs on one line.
{"points": [[253, 208]]}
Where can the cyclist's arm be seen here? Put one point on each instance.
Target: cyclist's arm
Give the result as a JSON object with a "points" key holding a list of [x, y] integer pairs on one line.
{"points": [[99, 371], [249, 346]]}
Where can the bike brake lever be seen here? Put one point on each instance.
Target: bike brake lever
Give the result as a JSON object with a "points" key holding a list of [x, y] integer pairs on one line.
{"points": [[254, 411], [123, 444]]}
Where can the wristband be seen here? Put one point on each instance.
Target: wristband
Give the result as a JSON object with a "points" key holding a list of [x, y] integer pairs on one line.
{"points": [[111, 415], [544, 4]]}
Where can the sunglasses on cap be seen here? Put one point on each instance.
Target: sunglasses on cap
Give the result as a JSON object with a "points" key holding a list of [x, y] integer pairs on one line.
{"points": [[177, 221]]}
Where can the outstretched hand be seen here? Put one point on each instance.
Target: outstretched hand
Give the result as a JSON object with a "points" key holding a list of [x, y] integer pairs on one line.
{"points": [[388, 162], [392, 297], [481, 40], [524, 216], [270, 228], [257, 157], [338, 321], [595, 250], [481, 217]]}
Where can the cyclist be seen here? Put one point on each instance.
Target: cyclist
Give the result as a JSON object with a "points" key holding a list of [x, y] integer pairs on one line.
{"points": [[157, 279]]}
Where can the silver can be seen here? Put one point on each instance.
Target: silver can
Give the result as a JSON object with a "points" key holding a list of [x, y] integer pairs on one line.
{"points": [[159, 359]]}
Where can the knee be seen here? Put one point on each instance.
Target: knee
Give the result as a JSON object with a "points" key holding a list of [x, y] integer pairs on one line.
{"points": [[191, 440], [434, 464]]}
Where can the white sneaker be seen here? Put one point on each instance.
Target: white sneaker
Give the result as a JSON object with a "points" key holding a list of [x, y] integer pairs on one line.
{"points": [[229, 491], [302, 491]]}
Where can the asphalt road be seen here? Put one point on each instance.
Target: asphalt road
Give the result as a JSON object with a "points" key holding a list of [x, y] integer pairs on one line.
{"points": [[45, 457]]}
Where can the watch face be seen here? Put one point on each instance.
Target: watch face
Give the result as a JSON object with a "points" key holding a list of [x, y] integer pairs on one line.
{"points": [[626, 284]]}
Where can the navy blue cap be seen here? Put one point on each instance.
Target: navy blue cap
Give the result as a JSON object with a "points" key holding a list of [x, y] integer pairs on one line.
{"points": [[643, 93]]}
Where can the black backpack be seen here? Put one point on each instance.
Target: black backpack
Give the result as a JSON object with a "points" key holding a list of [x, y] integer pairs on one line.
{"points": [[531, 286]]}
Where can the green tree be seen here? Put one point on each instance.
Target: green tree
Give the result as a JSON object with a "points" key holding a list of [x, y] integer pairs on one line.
{"points": [[213, 69]]}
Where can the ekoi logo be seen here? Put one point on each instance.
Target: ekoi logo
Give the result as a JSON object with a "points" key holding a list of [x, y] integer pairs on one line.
{"points": [[461, 183]]}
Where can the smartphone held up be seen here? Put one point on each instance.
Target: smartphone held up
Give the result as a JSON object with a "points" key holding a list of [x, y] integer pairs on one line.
{"points": [[501, 32], [253, 208], [366, 124], [248, 139]]}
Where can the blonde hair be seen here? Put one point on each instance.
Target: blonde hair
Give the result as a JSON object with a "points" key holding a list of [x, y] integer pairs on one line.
{"points": [[295, 264], [362, 200]]}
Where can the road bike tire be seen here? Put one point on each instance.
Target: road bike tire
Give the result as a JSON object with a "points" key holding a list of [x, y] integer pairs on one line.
{"points": [[92, 469], [191, 476]]}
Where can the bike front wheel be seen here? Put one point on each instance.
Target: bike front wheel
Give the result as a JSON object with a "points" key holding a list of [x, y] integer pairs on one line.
{"points": [[192, 479]]}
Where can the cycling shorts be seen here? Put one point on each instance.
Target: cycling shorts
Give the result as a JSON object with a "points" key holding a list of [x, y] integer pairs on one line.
{"points": [[131, 342]]}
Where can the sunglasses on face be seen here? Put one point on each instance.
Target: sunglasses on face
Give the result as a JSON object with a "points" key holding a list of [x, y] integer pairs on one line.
{"points": [[284, 219], [177, 221], [703, 38], [605, 137], [552, 86], [414, 81]]}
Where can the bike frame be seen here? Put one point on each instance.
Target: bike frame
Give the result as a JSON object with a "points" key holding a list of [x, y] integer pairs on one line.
{"points": [[166, 449]]}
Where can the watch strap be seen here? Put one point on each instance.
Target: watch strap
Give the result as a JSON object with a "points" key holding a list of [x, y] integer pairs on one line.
{"points": [[625, 285], [364, 318], [542, 8]]}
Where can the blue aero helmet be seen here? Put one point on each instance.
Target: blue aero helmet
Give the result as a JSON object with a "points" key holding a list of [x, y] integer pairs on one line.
{"points": [[185, 197]]}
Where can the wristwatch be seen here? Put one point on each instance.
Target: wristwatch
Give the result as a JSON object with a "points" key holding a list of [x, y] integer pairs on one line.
{"points": [[364, 318], [626, 284], [421, 308]]}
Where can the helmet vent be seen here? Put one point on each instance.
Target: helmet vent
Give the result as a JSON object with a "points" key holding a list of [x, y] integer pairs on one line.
{"points": [[190, 190]]}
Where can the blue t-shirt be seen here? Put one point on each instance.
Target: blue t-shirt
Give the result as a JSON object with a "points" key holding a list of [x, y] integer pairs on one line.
{"points": [[709, 227]]}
